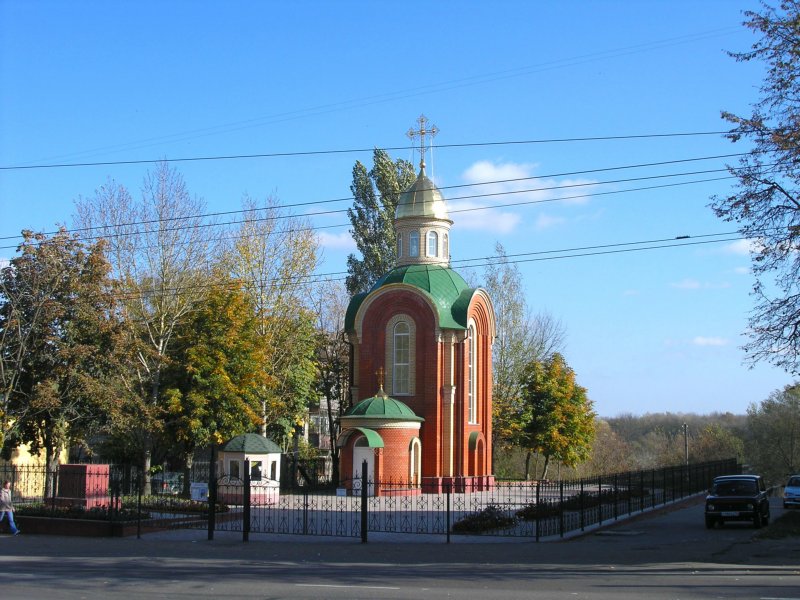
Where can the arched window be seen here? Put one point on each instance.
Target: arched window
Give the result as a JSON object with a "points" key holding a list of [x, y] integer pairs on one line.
{"points": [[401, 359], [413, 243], [472, 396], [433, 243], [399, 245]]}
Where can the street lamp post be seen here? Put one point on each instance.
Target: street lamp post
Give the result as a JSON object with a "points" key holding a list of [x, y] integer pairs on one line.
{"points": [[686, 443]]}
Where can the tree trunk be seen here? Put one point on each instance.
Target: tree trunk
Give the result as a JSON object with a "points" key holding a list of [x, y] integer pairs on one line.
{"points": [[147, 459], [51, 465], [546, 465], [187, 474], [528, 466]]}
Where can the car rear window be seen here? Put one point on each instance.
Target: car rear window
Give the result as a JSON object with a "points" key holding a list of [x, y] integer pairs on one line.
{"points": [[794, 482]]}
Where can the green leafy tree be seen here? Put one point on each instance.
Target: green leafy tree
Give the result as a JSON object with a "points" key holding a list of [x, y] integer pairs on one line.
{"points": [[60, 341], [333, 362], [558, 422], [159, 248], [766, 201], [375, 196], [715, 442], [274, 254], [521, 338], [774, 433], [214, 382], [609, 453]]}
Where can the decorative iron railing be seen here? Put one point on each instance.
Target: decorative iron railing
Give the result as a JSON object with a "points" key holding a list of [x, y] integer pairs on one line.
{"points": [[531, 509]]}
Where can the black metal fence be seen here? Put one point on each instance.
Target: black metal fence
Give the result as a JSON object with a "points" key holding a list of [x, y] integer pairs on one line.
{"points": [[531, 509]]}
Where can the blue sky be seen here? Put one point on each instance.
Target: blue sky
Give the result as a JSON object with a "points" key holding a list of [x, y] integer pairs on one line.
{"points": [[647, 331]]}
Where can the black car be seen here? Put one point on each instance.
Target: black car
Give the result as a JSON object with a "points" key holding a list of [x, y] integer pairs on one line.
{"points": [[737, 498]]}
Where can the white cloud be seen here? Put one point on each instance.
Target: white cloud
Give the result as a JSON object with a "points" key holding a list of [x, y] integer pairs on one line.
{"points": [[4, 262], [493, 220], [337, 241], [709, 341], [693, 284], [687, 284], [741, 247], [631, 293], [742, 270], [512, 185]]}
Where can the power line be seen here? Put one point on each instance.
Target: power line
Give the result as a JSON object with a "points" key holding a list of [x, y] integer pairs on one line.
{"points": [[474, 184], [352, 151], [484, 261], [453, 211]]}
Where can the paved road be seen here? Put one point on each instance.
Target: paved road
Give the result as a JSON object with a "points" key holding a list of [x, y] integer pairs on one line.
{"points": [[668, 554]]}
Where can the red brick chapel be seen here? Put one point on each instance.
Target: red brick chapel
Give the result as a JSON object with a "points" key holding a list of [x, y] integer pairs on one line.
{"points": [[421, 363]]}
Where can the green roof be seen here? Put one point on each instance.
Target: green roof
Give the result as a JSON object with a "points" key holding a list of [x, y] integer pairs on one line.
{"points": [[447, 290], [381, 406], [251, 443]]}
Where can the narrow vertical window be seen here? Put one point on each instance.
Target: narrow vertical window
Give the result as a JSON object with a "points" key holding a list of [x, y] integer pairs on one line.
{"points": [[399, 245], [413, 243], [433, 243], [472, 400], [401, 360]]}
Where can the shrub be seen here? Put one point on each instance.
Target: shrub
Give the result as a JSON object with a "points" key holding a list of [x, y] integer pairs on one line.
{"points": [[491, 517], [96, 513]]}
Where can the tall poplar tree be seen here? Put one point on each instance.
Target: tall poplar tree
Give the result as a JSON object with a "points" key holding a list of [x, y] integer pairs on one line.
{"points": [[375, 196]]}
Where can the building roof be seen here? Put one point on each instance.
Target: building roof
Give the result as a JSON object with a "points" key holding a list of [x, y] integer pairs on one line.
{"points": [[446, 289], [251, 443], [421, 199], [381, 406]]}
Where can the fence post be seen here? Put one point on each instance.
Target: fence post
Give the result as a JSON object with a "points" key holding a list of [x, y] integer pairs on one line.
{"points": [[652, 488], [600, 500], [305, 511], [139, 477], [447, 491], [630, 492], [246, 502], [616, 497], [561, 508], [583, 517], [212, 493], [364, 521], [54, 491], [538, 508]]}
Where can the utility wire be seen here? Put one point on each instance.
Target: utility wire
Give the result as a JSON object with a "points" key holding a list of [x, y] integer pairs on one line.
{"points": [[475, 184], [525, 257], [453, 211], [353, 150]]}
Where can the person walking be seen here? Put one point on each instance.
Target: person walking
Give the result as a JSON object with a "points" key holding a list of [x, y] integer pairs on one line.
{"points": [[7, 508]]}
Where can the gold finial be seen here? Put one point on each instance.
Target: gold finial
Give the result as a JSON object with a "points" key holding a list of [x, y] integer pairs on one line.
{"points": [[421, 132], [380, 373]]}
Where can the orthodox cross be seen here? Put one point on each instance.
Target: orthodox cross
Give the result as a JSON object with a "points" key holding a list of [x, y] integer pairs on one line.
{"points": [[421, 132], [380, 373]]}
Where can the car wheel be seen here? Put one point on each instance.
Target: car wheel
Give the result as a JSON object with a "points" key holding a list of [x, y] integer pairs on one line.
{"points": [[757, 520], [709, 522], [785, 506]]}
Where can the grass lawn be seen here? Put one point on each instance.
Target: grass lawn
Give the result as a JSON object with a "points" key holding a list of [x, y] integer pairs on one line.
{"points": [[788, 525]]}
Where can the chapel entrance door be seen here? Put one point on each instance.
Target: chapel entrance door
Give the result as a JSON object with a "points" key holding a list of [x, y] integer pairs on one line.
{"points": [[361, 454]]}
